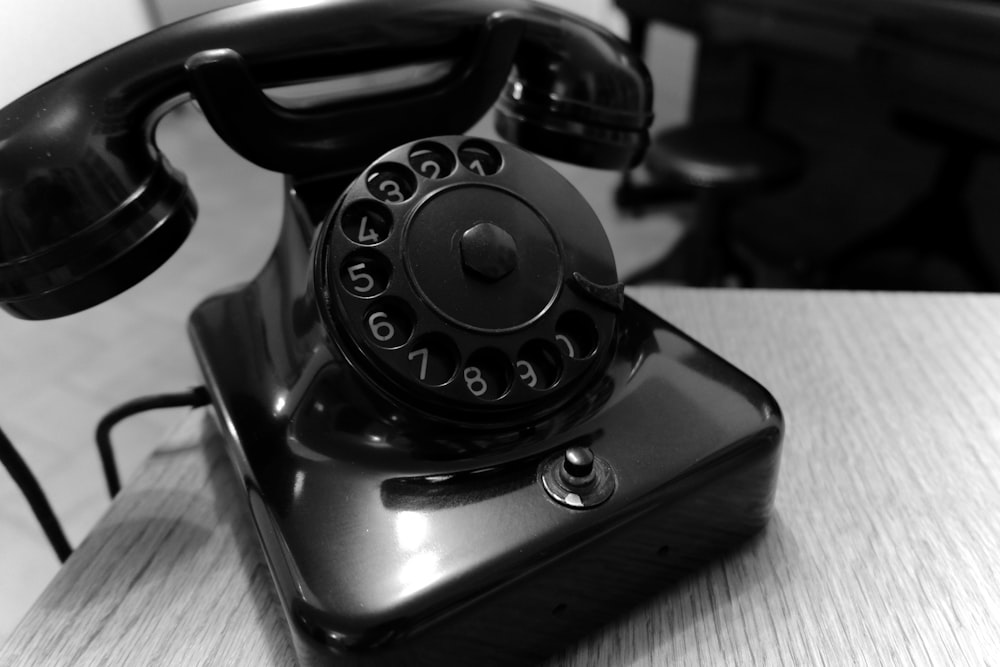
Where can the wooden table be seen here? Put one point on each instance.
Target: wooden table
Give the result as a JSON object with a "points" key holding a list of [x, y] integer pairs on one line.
{"points": [[885, 546]]}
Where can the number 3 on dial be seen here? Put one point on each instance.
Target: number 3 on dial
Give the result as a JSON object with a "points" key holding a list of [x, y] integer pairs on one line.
{"points": [[391, 191]]}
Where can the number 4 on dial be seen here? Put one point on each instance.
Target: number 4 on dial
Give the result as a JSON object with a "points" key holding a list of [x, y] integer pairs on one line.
{"points": [[367, 234]]}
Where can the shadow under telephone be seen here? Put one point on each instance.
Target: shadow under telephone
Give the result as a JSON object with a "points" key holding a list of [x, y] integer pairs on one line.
{"points": [[458, 437]]}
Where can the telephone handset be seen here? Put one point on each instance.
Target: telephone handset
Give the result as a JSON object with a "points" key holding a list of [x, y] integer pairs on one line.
{"points": [[460, 440], [90, 206]]}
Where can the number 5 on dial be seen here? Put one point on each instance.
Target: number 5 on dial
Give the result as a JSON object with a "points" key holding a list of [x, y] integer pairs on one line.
{"points": [[362, 281], [365, 273]]}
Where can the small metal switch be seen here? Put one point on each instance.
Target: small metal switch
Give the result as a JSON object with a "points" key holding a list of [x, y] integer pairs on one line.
{"points": [[577, 478], [578, 466]]}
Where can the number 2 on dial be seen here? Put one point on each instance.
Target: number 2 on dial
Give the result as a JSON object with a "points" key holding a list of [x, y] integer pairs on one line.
{"points": [[430, 169], [363, 282]]}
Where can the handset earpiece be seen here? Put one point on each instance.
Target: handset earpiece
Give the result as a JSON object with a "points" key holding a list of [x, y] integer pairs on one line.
{"points": [[576, 94]]}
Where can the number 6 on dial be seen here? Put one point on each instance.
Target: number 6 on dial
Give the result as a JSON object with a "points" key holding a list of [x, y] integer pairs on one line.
{"points": [[382, 330]]}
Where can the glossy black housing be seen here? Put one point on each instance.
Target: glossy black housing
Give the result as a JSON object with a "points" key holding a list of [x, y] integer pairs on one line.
{"points": [[394, 539]]}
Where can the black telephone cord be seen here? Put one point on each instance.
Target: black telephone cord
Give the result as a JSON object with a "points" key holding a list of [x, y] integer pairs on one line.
{"points": [[195, 398], [36, 498], [32, 490]]}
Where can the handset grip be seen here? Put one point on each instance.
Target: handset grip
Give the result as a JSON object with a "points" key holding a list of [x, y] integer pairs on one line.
{"points": [[314, 139]]}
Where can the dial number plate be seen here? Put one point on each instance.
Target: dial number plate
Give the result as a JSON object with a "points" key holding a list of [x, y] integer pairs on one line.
{"points": [[415, 301]]}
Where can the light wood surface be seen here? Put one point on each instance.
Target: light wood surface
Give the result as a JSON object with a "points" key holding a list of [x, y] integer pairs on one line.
{"points": [[883, 549]]}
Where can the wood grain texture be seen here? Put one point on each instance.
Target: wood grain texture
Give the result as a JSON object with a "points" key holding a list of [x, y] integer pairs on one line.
{"points": [[883, 548]]}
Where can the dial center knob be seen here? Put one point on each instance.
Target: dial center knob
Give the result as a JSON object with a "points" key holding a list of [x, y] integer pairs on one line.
{"points": [[488, 251], [483, 258]]}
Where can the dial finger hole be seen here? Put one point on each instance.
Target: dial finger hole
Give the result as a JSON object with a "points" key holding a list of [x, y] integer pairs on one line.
{"points": [[391, 183], [432, 160], [366, 222], [433, 359], [487, 374], [576, 335], [539, 365], [365, 274], [480, 157], [389, 323]]}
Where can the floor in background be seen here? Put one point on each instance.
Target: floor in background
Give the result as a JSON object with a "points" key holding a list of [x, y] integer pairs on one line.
{"points": [[61, 376]]}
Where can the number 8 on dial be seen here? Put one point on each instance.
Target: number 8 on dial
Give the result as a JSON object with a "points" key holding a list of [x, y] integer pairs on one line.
{"points": [[487, 375]]}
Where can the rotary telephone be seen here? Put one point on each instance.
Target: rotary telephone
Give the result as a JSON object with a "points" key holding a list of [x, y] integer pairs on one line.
{"points": [[460, 440]]}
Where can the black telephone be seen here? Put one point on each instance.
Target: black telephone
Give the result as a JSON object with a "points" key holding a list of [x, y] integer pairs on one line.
{"points": [[460, 441]]}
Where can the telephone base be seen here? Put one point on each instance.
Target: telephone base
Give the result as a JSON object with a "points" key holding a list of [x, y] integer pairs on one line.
{"points": [[396, 540]]}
